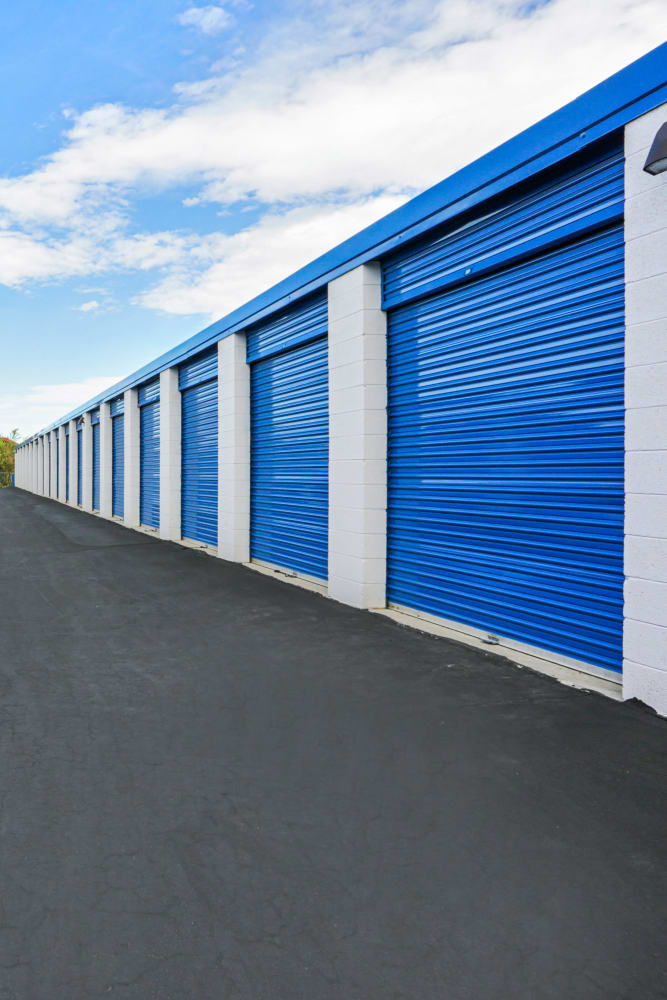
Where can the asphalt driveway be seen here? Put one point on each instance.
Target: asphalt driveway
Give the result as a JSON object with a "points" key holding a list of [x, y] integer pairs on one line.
{"points": [[215, 786]]}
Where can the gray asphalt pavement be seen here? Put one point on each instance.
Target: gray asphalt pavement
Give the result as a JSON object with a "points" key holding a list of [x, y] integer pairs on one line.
{"points": [[216, 786]]}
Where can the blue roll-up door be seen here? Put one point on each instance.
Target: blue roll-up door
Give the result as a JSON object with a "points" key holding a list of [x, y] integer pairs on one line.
{"points": [[95, 420], [79, 464], [149, 454], [67, 466], [289, 494], [506, 451], [198, 382], [117, 457]]}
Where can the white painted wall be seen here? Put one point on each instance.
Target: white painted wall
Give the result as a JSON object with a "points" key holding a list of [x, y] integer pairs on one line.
{"points": [[106, 459], [233, 449], [62, 452], [645, 625], [54, 465], [357, 439], [131, 452], [87, 464], [170, 455], [40, 465], [73, 462]]}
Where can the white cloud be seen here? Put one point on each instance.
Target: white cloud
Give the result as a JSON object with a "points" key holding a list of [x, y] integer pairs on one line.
{"points": [[229, 270], [347, 108], [88, 306], [37, 407], [210, 19]]}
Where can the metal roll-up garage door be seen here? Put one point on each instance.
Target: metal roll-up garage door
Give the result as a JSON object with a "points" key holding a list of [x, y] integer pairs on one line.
{"points": [[149, 452], [506, 437], [48, 465], [198, 382], [117, 457], [58, 464], [67, 466], [79, 462], [95, 421], [289, 493]]}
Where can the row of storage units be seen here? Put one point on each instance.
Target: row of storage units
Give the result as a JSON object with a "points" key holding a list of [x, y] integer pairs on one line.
{"points": [[505, 422]]}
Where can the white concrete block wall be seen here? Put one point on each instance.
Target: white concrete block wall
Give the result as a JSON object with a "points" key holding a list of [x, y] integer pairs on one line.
{"points": [[170, 455], [131, 453], [106, 459], [73, 462], [233, 449], [54, 465], [357, 439], [62, 452], [645, 612], [87, 464], [40, 465]]}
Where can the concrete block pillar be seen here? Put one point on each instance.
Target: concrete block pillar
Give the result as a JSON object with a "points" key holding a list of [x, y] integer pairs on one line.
{"points": [[54, 464], [87, 464], [233, 449], [645, 609], [62, 458], [131, 449], [106, 459], [170, 455], [73, 462], [40, 466], [357, 439], [47, 465]]}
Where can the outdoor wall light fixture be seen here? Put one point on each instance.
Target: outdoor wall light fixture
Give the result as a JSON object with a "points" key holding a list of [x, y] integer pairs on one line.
{"points": [[656, 161]]}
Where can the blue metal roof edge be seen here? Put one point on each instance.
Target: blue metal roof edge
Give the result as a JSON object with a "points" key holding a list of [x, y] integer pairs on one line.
{"points": [[609, 105]]}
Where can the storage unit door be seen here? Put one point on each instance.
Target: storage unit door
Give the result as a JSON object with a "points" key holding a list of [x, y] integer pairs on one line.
{"points": [[96, 466], [118, 466], [199, 452], [58, 465], [67, 466], [289, 494], [149, 503], [79, 461], [506, 450]]}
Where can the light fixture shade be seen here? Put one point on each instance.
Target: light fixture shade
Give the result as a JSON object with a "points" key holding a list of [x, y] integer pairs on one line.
{"points": [[656, 161]]}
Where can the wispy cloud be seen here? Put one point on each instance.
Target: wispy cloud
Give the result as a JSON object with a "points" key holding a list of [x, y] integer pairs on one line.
{"points": [[88, 306], [36, 408], [210, 20], [345, 109]]}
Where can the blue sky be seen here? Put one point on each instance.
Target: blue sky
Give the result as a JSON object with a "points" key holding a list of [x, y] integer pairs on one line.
{"points": [[168, 161]]}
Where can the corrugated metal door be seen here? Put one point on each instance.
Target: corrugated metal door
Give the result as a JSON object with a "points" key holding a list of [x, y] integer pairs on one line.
{"points": [[198, 382], [117, 457], [149, 450], [48, 465], [289, 499], [506, 450], [67, 465], [95, 420], [58, 464], [79, 463]]}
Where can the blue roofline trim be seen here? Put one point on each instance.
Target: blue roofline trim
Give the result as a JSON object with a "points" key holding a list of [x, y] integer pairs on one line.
{"points": [[608, 106]]}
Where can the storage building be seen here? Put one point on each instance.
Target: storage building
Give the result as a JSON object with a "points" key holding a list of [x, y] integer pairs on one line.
{"points": [[458, 416]]}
